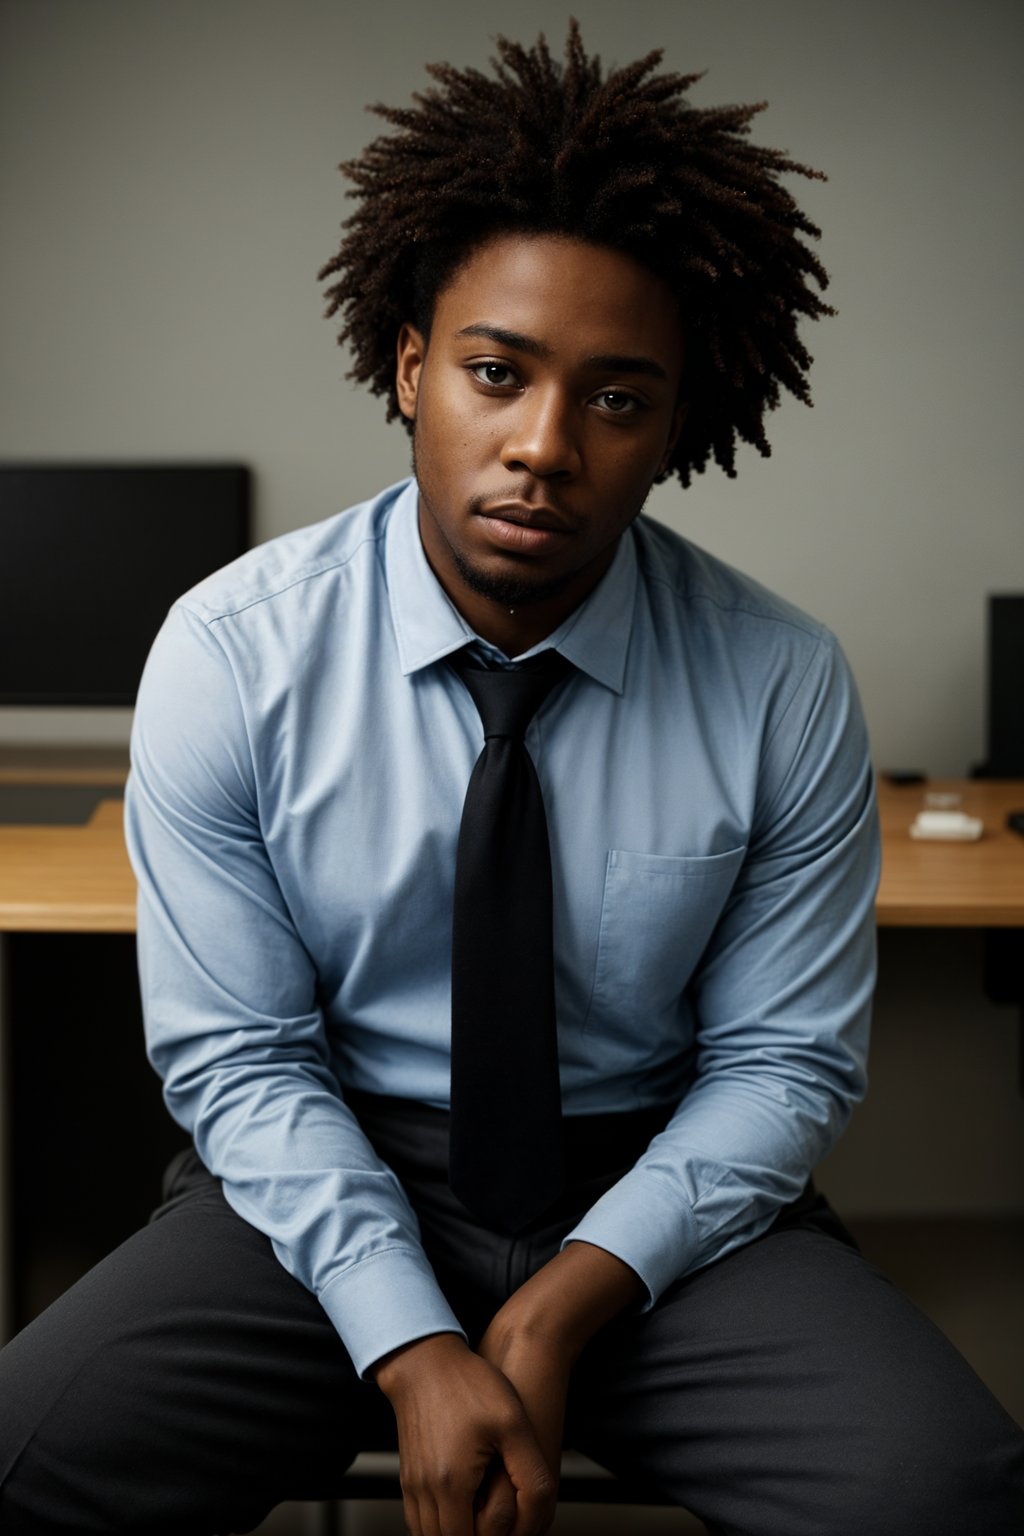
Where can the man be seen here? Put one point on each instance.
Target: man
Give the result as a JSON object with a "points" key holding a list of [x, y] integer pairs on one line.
{"points": [[588, 286]]}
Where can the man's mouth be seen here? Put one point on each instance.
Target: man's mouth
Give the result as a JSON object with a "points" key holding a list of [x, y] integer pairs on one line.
{"points": [[527, 514], [524, 527]]}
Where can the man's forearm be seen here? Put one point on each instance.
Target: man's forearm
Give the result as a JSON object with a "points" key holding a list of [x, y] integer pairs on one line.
{"points": [[536, 1338], [563, 1305]]}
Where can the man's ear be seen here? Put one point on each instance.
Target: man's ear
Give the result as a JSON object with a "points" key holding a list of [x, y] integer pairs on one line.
{"points": [[412, 349]]}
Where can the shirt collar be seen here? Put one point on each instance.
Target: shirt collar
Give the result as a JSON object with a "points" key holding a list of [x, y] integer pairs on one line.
{"points": [[428, 626]]}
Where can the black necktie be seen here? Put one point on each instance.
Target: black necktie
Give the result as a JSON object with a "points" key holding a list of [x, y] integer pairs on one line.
{"points": [[505, 1161]]}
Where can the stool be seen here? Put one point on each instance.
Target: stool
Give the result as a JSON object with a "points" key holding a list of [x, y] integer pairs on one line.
{"points": [[374, 1475]]}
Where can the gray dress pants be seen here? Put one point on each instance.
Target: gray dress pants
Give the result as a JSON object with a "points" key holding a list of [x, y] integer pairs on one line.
{"points": [[188, 1384]]}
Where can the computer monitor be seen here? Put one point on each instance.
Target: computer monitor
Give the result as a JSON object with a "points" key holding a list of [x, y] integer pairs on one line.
{"points": [[91, 558], [1005, 713]]}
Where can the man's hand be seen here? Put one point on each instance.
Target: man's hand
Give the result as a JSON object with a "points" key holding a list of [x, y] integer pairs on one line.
{"points": [[539, 1371], [537, 1336], [458, 1417], [480, 1435]]}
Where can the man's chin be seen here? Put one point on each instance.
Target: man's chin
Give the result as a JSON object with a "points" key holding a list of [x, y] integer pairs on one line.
{"points": [[509, 589]]}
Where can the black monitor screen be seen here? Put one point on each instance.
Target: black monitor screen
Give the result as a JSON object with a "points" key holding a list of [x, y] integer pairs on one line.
{"points": [[92, 557], [1005, 686]]}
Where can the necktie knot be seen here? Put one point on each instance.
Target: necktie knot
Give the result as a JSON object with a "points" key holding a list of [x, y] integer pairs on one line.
{"points": [[508, 698]]}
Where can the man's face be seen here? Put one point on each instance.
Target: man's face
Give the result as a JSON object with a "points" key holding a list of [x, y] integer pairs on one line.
{"points": [[545, 404]]}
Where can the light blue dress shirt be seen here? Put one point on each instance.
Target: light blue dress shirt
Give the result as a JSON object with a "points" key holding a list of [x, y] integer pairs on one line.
{"points": [[300, 757]]}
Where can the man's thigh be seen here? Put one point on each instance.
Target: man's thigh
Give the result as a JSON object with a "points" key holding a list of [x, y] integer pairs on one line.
{"points": [[188, 1383], [791, 1390]]}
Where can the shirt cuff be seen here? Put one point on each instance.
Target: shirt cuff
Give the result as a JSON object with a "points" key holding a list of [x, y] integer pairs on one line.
{"points": [[384, 1301], [643, 1223]]}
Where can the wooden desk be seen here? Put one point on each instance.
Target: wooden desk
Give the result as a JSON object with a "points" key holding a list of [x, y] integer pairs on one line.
{"points": [[67, 879], [56, 879], [952, 885], [78, 879]]}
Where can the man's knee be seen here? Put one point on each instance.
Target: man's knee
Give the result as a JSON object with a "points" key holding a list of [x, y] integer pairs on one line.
{"points": [[61, 1465], [922, 1480]]}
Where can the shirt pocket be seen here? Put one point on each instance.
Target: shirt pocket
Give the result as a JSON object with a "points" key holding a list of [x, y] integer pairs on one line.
{"points": [[657, 915]]}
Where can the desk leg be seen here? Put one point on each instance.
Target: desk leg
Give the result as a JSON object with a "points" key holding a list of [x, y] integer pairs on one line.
{"points": [[6, 1257], [1003, 979]]}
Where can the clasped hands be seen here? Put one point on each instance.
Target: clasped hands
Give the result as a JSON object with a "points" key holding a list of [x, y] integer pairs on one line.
{"points": [[480, 1432], [474, 1462]]}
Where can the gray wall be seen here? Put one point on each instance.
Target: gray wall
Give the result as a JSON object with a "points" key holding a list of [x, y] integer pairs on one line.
{"points": [[168, 190]]}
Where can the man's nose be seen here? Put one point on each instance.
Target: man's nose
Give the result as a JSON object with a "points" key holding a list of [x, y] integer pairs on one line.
{"points": [[543, 436]]}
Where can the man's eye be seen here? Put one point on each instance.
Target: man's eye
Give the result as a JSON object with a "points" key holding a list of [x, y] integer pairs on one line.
{"points": [[493, 373], [618, 402]]}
